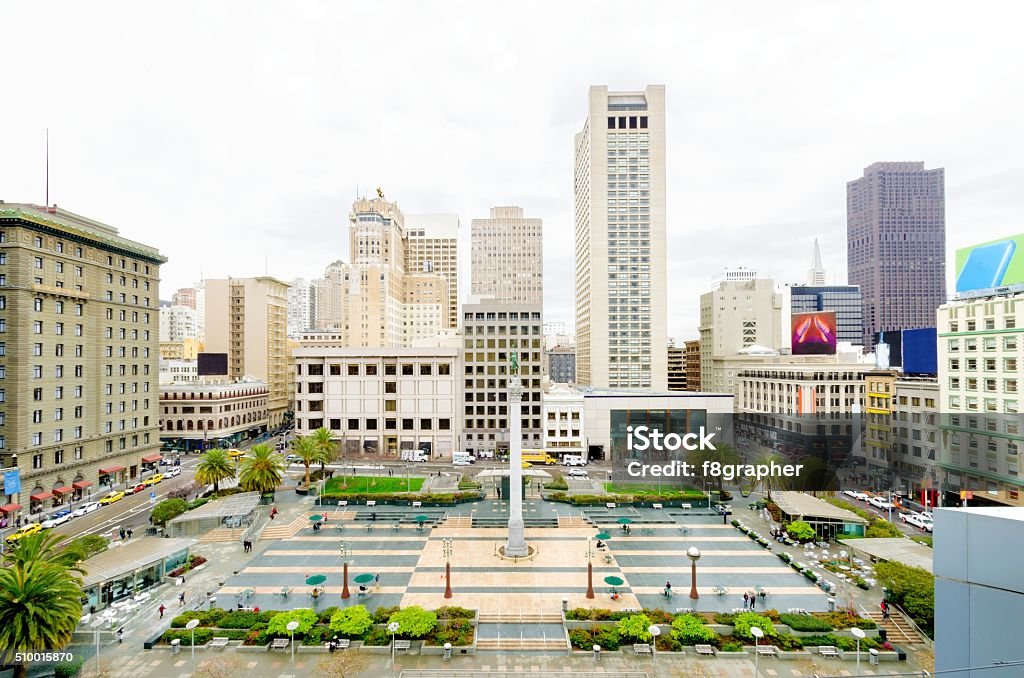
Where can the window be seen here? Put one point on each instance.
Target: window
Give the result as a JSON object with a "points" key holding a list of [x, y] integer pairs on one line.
{"points": [[371, 370], [37, 304], [408, 425], [407, 370], [353, 370], [426, 370]]}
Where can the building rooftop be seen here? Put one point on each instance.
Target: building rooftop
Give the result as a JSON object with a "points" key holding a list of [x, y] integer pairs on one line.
{"points": [[210, 386], [136, 554], [800, 504], [228, 507], [896, 549]]}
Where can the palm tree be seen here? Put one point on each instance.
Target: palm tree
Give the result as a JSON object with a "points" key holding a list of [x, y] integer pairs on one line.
{"points": [[769, 482], [43, 547], [322, 438], [723, 454], [305, 448], [39, 609], [261, 470], [213, 467]]}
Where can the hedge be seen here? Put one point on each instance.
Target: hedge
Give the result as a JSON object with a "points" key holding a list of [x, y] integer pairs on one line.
{"points": [[803, 622], [239, 620], [453, 498], [201, 635]]}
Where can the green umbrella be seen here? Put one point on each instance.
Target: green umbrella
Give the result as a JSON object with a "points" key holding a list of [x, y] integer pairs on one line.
{"points": [[421, 519], [614, 581], [603, 536], [317, 518], [363, 578], [316, 580], [624, 521]]}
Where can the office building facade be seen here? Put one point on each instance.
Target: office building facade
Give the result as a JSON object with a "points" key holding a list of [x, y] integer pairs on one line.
{"points": [[508, 257], [844, 300], [676, 368], [691, 357], [432, 247], [562, 364]]}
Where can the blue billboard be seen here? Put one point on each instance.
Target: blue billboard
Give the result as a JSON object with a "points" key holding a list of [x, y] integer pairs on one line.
{"points": [[920, 351]]}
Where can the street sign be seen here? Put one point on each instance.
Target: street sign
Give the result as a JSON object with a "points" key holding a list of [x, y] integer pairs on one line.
{"points": [[152, 497], [966, 494]]}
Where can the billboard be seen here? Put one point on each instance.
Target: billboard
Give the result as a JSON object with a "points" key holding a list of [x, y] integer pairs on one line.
{"points": [[920, 351], [888, 349], [212, 364], [814, 333], [999, 263]]}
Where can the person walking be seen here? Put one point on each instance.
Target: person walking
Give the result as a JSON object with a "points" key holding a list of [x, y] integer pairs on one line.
{"points": [[129, 533], [746, 599], [753, 600], [376, 581], [885, 610], [161, 610], [181, 599], [121, 533], [120, 635]]}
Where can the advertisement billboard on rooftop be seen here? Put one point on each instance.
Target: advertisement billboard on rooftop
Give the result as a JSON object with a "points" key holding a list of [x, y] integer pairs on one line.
{"points": [[814, 333], [990, 265]]}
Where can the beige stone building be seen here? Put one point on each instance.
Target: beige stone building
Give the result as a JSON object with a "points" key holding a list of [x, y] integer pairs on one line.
{"points": [[508, 257], [621, 249], [247, 318], [206, 414], [187, 349], [78, 356], [692, 365], [432, 246]]}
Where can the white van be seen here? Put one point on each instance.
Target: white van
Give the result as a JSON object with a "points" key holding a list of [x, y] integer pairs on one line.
{"points": [[414, 455], [574, 460], [462, 457]]}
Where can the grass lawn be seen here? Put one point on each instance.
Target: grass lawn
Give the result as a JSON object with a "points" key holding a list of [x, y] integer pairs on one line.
{"points": [[371, 485], [665, 490]]}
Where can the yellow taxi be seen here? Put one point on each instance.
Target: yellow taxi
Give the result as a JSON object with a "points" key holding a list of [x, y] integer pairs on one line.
{"points": [[236, 454], [527, 464], [111, 498], [153, 480], [23, 532]]}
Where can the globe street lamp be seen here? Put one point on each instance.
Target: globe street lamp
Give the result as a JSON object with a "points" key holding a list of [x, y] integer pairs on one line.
{"points": [[447, 549], [191, 626], [393, 629], [590, 569], [758, 634], [858, 634], [655, 632], [292, 625], [693, 553], [343, 551]]}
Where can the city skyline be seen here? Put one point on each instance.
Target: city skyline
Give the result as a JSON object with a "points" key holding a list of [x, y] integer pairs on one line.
{"points": [[265, 173]]}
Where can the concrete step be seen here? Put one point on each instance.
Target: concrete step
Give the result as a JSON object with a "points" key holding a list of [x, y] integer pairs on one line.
{"points": [[526, 618], [896, 629], [222, 534], [573, 521], [516, 644]]}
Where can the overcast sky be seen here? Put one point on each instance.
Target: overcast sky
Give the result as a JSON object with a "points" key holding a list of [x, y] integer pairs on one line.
{"points": [[227, 133]]}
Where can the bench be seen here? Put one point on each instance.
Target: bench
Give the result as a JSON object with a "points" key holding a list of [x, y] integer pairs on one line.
{"points": [[657, 506], [686, 507], [767, 650], [704, 649], [371, 502], [417, 504], [828, 651], [402, 644], [340, 644], [279, 644], [641, 648], [609, 505], [219, 642], [684, 610], [630, 609]]}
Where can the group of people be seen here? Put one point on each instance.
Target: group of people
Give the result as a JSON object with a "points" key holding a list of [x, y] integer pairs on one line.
{"points": [[626, 528], [247, 546], [750, 598], [125, 534], [779, 535]]}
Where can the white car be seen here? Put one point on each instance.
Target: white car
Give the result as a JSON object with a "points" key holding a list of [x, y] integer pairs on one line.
{"points": [[576, 472], [856, 495], [918, 521], [880, 502], [55, 521], [85, 508], [462, 462], [176, 471]]}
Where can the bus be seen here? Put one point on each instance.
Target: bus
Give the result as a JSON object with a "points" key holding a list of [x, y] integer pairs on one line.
{"points": [[539, 457]]}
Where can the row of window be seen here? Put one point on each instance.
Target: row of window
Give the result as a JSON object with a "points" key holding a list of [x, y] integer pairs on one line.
{"points": [[987, 344], [372, 369], [989, 364]]}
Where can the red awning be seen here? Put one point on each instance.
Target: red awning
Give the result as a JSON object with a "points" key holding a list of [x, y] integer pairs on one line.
{"points": [[67, 489], [152, 458], [41, 496], [112, 469], [10, 508], [81, 484]]}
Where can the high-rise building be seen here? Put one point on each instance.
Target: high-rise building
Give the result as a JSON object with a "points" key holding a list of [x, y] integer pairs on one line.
{"points": [[561, 364], [621, 251], [329, 293], [844, 300], [896, 245], [676, 367], [692, 365], [737, 315], [491, 333], [301, 307], [186, 296], [178, 323], [432, 247], [79, 345], [247, 318], [508, 257], [816, 273]]}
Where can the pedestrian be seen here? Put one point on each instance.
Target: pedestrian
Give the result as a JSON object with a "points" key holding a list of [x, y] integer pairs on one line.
{"points": [[161, 610], [885, 610], [121, 532], [499, 492], [746, 599], [753, 600], [376, 580], [181, 599], [129, 533], [120, 635]]}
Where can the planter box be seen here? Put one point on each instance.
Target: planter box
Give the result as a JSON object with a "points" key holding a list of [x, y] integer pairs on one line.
{"points": [[457, 650], [311, 649], [734, 655], [793, 654], [376, 649], [252, 648]]}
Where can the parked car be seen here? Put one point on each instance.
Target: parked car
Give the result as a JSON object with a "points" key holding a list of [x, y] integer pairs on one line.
{"points": [[880, 502], [88, 507], [176, 471], [576, 472], [856, 495], [462, 462], [918, 521], [292, 459], [111, 498], [58, 518], [153, 480], [141, 487], [23, 532]]}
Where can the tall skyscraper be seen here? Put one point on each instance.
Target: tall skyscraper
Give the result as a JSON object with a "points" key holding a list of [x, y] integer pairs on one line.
{"points": [[896, 244], [621, 295], [79, 348], [816, 273], [508, 257], [432, 247], [247, 318], [845, 300], [301, 307]]}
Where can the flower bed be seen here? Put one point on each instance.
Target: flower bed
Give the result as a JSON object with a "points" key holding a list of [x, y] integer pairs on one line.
{"points": [[194, 561]]}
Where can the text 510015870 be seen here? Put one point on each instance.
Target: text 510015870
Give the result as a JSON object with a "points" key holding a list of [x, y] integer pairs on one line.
{"points": [[43, 656]]}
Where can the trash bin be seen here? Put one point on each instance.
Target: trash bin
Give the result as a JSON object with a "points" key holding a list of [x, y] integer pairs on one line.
{"points": [[873, 659], [447, 650], [831, 604], [176, 646], [597, 652], [565, 604]]}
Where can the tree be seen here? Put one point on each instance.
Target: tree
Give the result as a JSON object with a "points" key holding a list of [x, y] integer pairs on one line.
{"points": [[322, 438], [305, 448], [634, 627], [43, 547], [745, 620], [88, 545], [352, 622], [39, 608], [801, 531], [213, 467], [278, 625], [262, 469], [414, 621], [168, 509], [689, 629], [912, 588]]}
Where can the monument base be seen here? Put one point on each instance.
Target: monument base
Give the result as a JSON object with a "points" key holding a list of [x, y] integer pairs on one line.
{"points": [[528, 554]]}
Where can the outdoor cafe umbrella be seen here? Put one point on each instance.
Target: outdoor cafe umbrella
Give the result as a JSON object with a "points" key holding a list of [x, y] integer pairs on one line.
{"points": [[316, 518], [603, 536], [613, 582], [364, 578], [624, 520], [421, 519], [315, 580]]}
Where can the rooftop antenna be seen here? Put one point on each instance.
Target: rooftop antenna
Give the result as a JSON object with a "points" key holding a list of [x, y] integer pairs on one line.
{"points": [[47, 202], [266, 267]]}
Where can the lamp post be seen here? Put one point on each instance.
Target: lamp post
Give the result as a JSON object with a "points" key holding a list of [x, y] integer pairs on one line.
{"points": [[758, 634], [590, 569], [693, 553], [393, 629], [96, 624], [655, 632], [448, 549], [342, 551], [292, 625], [858, 634], [191, 626]]}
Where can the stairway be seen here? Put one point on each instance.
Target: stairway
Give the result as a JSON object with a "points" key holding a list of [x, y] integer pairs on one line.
{"points": [[458, 521], [281, 530], [573, 521], [524, 644], [485, 521], [222, 534], [896, 628], [526, 618]]}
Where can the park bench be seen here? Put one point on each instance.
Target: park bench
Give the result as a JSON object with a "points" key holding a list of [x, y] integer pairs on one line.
{"points": [[417, 504], [371, 502], [279, 644], [704, 649], [630, 610], [340, 644], [686, 507], [219, 642], [609, 505], [641, 648], [828, 651], [684, 610], [402, 644], [657, 506], [767, 651]]}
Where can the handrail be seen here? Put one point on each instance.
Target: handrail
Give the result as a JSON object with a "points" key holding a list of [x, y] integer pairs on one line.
{"points": [[906, 617]]}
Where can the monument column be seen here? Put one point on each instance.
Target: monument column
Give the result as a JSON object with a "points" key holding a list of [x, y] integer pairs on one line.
{"points": [[516, 544]]}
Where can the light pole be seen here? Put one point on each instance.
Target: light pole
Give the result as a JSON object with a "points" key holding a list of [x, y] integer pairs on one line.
{"points": [[96, 624], [655, 632], [590, 570], [693, 553], [191, 626], [393, 629], [292, 625], [448, 549], [758, 634], [858, 634], [342, 551]]}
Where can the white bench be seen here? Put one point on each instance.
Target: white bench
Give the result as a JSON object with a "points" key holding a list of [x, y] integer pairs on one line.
{"points": [[340, 644], [417, 504], [609, 505], [684, 610], [402, 644], [371, 502], [704, 649], [219, 642], [657, 506], [641, 648], [767, 650], [279, 644], [828, 651], [686, 506]]}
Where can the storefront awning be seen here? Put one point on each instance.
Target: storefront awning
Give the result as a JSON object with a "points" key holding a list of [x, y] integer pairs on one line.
{"points": [[67, 489], [112, 469], [152, 458], [41, 496], [10, 508], [81, 484]]}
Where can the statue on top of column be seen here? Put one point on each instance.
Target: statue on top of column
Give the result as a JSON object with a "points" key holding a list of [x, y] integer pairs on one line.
{"points": [[514, 362]]}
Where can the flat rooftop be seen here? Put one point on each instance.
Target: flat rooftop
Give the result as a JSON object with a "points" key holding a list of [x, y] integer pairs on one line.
{"points": [[800, 504], [227, 507], [136, 554], [896, 549]]}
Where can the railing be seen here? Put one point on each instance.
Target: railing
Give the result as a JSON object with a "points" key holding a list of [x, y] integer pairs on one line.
{"points": [[255, 529], [910, 622]]}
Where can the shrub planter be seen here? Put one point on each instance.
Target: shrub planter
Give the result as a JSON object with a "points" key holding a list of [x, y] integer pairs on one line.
{"points": [[793, 654], [252, 648], [741, 653]]}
